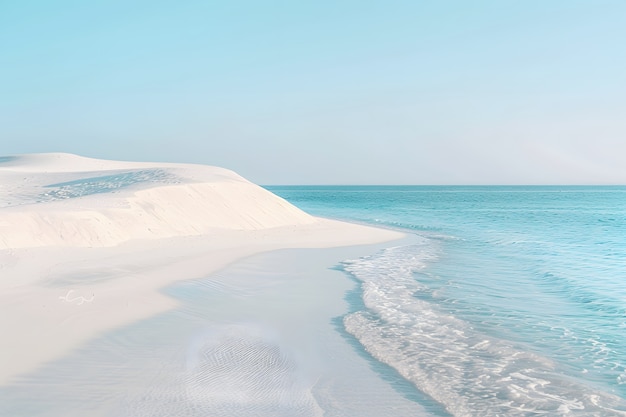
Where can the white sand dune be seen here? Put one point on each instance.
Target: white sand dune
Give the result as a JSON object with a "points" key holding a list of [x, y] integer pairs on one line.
{"points": [[61, 199], [86, 244]]}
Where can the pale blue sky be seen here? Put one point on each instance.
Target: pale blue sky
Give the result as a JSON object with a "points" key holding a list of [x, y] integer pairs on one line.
{"points": [[324, 92]]}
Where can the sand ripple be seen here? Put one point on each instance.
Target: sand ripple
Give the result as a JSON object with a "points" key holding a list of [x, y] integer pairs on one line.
{"points": [[232, 374]]}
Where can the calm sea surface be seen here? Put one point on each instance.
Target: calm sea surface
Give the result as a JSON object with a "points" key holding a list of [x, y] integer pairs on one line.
{"points": [[511, 301]]}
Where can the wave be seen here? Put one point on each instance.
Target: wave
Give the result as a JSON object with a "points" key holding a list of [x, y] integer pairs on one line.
{"points": [[468, 371]]}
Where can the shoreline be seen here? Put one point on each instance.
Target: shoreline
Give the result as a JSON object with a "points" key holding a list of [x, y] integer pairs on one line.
{"points": [[87, 245], [282, 304], [68, 296]]}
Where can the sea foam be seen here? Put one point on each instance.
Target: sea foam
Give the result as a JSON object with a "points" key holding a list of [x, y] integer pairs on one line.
{"points": [[469, 372]]}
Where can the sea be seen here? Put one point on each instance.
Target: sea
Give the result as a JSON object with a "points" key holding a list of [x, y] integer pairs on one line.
{"points": [[505, 301]]}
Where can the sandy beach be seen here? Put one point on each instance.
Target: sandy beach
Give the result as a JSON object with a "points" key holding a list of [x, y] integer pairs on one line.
{"points": [[116, 296]]}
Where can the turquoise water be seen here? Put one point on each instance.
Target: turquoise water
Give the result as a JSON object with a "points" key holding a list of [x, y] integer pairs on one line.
{"points": [[511, 301]]}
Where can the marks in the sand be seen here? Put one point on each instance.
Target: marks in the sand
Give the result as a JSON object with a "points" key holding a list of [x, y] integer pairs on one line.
{"points": [[199, 290], [76, 299], [231, 372]]}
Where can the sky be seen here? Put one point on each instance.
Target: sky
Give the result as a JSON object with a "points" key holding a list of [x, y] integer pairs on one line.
{"points": [[324, 92]]}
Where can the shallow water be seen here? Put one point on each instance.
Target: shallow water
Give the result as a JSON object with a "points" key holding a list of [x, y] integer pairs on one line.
{"points": [[512, 302], [262, 337]]}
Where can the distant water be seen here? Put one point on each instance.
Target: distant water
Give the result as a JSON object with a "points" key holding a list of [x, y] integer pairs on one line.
{"points": [[511, 301]]}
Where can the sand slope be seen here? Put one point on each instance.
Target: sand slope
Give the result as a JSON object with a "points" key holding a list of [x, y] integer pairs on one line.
{"points": [[86, 245], [62, 199]]}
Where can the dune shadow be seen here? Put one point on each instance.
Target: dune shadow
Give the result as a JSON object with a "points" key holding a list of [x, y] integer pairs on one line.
{"points": [[106, 183]]}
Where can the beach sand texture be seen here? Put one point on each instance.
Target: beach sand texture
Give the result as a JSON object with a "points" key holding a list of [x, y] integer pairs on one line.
{"points": [[88, 246]]}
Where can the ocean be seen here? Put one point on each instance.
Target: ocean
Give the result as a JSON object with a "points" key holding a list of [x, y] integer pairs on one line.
{"points": [[506, 301]]}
